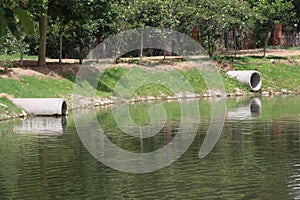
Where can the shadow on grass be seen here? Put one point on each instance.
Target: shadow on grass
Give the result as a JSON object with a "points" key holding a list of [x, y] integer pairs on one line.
{"points": [[277, 57], [247, 58], [4, 71]]}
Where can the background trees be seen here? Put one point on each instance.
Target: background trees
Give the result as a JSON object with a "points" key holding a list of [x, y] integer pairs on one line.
{"points": [[268, 14], [12, 15], [218, 17], [70, 28]]}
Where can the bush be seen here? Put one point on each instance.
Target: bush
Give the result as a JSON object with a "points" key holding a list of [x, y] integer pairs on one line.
{"points": [[6, 63], [9, 45]]}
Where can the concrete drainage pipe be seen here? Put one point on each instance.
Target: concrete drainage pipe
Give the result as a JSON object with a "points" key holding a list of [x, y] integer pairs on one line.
{"points": [[43, 106], [249, 77]]}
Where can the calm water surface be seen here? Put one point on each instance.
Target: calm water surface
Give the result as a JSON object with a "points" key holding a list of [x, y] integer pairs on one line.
{"points": [[256, 157]]}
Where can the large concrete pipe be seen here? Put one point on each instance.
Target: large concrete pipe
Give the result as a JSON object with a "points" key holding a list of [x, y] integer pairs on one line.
{"points": [[246, 111], [52, 126], [43, 106], [249, 77]]}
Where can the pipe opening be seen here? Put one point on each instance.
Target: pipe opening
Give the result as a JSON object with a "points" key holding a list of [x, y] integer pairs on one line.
{"points": [[64, 108], [255, 80]]}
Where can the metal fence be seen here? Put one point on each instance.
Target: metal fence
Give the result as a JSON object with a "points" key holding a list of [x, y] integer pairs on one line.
{"points": [[290, 39]]}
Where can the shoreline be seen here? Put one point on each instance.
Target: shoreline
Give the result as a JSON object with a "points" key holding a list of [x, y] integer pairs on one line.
{"points": [[280, 76], [98, 102]]}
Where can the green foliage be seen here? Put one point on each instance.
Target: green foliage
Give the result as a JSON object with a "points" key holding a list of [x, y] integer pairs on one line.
{"points": [[79, 23], [268, 14], [214, 17], [25, 20], [84, 24], [6, 63], [10, 15], [164, 14], [9, 45]]}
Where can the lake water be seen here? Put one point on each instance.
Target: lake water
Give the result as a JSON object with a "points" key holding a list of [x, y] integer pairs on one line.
{"points": [[257, 156]]}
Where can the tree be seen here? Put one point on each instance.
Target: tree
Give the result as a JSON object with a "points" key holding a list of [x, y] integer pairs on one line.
{"points": [[170, 14], [214, 17], [15, 16], [60, 13], [81, 25], [10, 14], [268, 14], [39, 9]]}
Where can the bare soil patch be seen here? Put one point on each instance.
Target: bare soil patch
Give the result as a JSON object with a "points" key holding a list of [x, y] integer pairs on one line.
{"points": [[71, 66], [269, 52]]}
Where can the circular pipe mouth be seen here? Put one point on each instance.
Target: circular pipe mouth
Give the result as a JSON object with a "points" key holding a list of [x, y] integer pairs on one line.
{"points": [[64, 108], [255, 81]]}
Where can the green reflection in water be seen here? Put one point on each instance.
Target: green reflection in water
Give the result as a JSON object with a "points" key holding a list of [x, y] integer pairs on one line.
{"points": [[257, 157]]}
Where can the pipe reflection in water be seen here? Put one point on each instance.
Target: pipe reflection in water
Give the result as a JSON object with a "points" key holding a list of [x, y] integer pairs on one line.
{"points": [[42, 126], [246, 111]]}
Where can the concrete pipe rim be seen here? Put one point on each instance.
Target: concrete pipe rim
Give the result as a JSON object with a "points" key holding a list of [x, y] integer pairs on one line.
{"points": [[255, 81]]}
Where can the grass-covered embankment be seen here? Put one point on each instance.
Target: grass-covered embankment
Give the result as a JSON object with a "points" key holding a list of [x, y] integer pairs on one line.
{"points": [[36, 87], [278, 74], [8, 109], [30, 87]]}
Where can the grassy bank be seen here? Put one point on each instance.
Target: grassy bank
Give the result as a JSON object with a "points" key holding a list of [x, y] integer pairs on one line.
{"points": [[30, 87], [8, 109], [278, 74], [36, 87]]}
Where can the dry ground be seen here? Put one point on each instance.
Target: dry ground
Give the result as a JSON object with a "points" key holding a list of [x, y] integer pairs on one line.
{"points": [[269, 52], [71, 66]]}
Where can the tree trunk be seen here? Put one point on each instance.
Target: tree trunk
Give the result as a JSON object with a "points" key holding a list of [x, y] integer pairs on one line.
{"points": [[141, 47], [277, 34], [196, 36], [21, 49], [266, 43], [168, 47], [250, 37], [81, 53], [60, 44], [43, 40], [195, 33], [235, 42], [226, 40]]}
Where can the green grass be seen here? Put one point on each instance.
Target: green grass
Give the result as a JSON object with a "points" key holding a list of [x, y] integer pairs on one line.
{"points": [[231, 85], [36, 87], [275, 76], [146, 83], [156, 83], [32, 87], [294, 57], [7, 108], [17, 57]]}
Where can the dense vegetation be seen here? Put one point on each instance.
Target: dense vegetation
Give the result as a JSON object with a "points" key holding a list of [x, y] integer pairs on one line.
{"points": [[71, 27]]}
